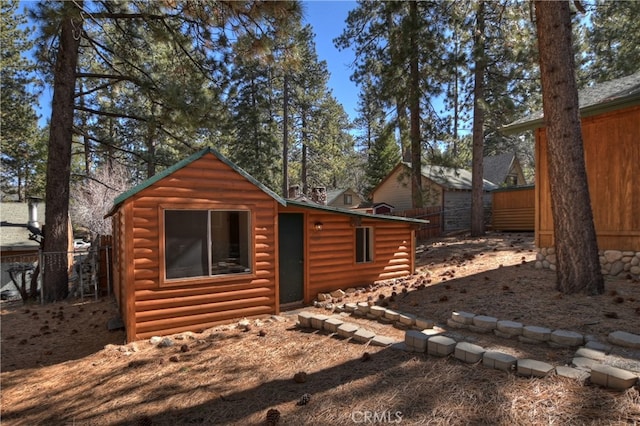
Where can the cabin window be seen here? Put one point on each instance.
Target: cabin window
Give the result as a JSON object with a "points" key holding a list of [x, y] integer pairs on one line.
{"points": [[364, 244], [347, 199], [201, 243]]}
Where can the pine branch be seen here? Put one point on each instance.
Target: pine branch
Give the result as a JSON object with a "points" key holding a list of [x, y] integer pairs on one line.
{"points": [[109, 114], [82, 133]]}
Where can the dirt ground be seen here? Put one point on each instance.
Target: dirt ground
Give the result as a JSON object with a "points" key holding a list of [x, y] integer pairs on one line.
{"points": [[60, 364]]}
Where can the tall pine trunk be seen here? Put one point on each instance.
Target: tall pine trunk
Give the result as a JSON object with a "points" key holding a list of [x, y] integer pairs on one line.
{"points": [[477, 208], [577, 267], [56, 231], [303, 165], [285, 137], [414, 111]]}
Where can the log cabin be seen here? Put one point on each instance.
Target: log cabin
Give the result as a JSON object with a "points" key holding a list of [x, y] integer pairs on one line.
{"points": [[204, 243]]}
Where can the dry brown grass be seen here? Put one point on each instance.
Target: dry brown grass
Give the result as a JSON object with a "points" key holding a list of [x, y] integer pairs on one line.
{"points": [[227, 376]]}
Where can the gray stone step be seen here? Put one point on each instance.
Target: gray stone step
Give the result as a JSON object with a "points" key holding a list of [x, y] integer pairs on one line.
{"points": [[317, 321], [622, 338], [598, 346], [384, 341], [591, 354], [350, 307], [499, 360], [572, 373], [441, 346], [566, 338], [416, 340], [468, 352], [407, 319], [304, 319], [363, 307], [462, 317], [612, 377], [485, 322], [531, 367], [391, 315], [331, 324], [422, 323], [377, 311], [510, 328], [582, 363], [362, 335], [347, 329], [454, 324], [541, 334]]}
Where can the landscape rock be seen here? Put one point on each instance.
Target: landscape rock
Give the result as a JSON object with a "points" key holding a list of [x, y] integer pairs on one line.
{"points": [[622, 338], [612, 255], [166, 342]]}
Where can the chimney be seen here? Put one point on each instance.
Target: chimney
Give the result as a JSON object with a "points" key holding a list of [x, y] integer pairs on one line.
{"points": [[33, 212], [319, 195], [294, 191]]}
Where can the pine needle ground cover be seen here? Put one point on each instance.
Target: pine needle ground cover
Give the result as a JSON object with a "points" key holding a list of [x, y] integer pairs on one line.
{"points": [[66, 368]]}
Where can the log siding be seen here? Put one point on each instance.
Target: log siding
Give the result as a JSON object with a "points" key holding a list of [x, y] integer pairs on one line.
{"points": [[151, 305]]}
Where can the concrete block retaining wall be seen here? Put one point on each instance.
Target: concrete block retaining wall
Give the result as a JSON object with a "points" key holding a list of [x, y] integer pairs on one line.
{"points": [[612, 262], [591, 362]]}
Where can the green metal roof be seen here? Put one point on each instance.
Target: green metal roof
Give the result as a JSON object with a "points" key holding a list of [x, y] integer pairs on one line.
{"points": [[598, 99], [147, 183], [348, 212]]}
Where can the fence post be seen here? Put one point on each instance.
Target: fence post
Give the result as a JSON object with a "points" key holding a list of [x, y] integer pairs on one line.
{"points": [[41, 277], [108, 270]]}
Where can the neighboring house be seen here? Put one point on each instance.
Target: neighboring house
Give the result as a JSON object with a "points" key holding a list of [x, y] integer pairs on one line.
{"points": [[442, 186], [15, 246], [610, 118], [203, 243], [344, 198], [503, 170]]}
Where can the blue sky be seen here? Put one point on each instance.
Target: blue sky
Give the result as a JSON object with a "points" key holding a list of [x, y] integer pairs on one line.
{"points": [[328, 21]]}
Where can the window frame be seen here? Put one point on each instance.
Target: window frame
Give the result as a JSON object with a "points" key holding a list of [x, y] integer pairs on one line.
{"points": [[368, 238], [347, 199], [241, 276]]}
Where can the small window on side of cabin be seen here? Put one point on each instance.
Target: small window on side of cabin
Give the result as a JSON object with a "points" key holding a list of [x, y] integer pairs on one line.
{"points": [[204, 243], [348, 200], [364, 244]]}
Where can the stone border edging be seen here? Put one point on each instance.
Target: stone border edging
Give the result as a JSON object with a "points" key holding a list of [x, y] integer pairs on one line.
{"points": [[587, 364]]}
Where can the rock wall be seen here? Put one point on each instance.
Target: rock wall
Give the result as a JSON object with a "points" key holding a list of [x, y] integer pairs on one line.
{"points": [[613, 262]]}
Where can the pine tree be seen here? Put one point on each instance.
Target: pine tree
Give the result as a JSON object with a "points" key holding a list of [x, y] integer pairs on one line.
{"points": [[578, 267], [19, 136], [115, 35], [612, 41]]}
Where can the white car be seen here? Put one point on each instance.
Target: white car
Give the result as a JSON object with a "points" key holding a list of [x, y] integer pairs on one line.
{"points": [[81, 245]]}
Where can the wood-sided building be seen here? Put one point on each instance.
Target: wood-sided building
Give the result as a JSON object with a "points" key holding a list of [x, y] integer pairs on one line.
{"points": [[204, 243], [513, 208], [610, 118], [444, 187]]}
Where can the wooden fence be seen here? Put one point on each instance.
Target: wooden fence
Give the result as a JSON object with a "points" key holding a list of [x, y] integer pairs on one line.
{"points": [[432, 214], [513, 209]]}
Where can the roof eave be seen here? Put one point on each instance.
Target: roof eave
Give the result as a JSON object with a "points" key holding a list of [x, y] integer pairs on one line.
{"points": [[119, 200], [356, 213], [587, 111]]}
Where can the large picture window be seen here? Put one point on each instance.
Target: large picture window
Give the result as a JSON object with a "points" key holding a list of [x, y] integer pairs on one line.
{"points": [[364, 244], [201, 243]]}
